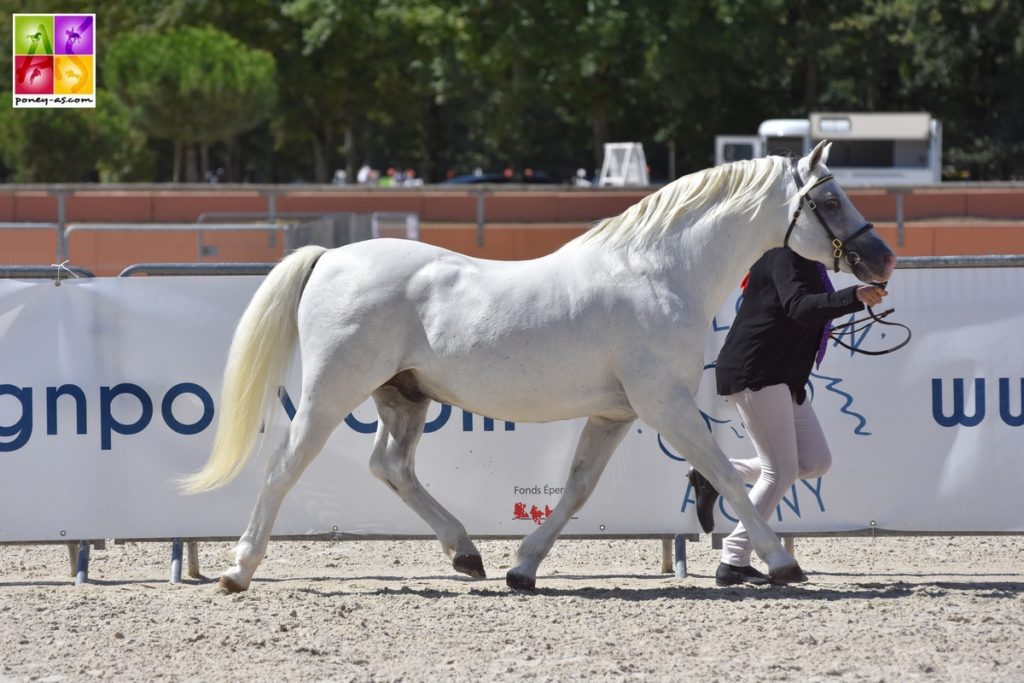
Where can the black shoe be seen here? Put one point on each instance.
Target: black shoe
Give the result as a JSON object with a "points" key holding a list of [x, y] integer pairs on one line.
{"points": [[706, 497], [728, 575]]}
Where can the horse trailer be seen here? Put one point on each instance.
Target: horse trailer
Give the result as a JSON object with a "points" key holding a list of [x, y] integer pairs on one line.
{"points": [[868, 148]]}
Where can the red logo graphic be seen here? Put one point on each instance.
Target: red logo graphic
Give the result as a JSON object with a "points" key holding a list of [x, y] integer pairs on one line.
{"points": [[536, 514]]}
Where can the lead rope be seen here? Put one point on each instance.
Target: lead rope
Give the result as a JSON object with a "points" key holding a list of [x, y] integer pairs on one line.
{"points": [[871, 318]]}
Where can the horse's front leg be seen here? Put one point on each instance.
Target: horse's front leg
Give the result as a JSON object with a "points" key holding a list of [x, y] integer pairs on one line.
{"points": [[599, 439], [670, 408]]}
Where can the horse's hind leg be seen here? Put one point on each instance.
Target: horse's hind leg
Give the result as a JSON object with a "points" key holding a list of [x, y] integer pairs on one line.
{"points": [[393, 462], [305, 438], [596, 445]]}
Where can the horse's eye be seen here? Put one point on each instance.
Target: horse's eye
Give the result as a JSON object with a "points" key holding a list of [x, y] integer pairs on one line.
{"points": [[832, 204]]}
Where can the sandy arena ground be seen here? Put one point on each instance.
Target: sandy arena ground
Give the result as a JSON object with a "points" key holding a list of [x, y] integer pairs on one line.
{"points": [[888, 609]]}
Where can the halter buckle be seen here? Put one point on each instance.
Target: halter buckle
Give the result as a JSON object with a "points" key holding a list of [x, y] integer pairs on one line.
{"points": [[838, 247]]}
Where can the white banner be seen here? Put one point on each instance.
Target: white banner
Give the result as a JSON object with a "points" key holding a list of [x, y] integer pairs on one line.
{"points": [[109, 387]]}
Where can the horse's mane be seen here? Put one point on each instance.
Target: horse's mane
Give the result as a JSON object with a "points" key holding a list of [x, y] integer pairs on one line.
{"points": [[737, 187]]}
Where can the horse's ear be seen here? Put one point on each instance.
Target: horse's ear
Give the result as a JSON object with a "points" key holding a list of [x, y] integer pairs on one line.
{"points": [[819, 155]]}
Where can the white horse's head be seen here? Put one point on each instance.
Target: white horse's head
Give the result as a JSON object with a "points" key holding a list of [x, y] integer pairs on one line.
{"points": [[828, 228]]}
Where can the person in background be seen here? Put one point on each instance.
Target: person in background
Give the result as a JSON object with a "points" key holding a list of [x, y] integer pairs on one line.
{"points": [[780, 331], [409, 178], [363, 175]]}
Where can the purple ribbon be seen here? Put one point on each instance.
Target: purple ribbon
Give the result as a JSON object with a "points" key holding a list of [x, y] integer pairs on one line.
{"points": [[823, 273]]}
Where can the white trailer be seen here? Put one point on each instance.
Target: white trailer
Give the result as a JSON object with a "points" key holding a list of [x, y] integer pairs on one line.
{"points": [[868, 148]]}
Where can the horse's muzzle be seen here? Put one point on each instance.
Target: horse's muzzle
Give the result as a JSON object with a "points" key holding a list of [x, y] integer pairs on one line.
{"points": [[872, 263]]}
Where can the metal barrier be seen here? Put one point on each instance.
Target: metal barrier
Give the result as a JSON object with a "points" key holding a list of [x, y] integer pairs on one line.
{"points": [[395, 224], [326, 228], [178, 269], [235, 216], [77, 228], [42, 272], [987, 261]]}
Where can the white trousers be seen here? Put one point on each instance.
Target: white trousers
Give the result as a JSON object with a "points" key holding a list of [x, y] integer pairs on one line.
{"points": [[789, 444]]}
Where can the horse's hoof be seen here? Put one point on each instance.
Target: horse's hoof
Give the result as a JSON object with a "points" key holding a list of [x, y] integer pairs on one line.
{"points": [[229, 585], [520, 582], [788, 574], [471, 565]]}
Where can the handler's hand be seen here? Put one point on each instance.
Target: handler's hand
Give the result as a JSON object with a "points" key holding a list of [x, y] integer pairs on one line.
{"points": [[870, 295]]}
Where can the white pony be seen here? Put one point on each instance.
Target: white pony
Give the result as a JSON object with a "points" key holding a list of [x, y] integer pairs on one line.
{"points": [[611, 327]]}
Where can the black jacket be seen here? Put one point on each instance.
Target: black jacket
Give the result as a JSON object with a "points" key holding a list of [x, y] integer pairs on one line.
{"points": [[777, 331]]}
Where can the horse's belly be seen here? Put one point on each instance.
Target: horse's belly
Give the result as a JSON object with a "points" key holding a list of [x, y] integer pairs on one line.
{"points": [[523, 394]]}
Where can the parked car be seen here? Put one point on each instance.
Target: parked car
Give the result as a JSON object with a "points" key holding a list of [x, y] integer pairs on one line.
{"points": [[536, 178]]}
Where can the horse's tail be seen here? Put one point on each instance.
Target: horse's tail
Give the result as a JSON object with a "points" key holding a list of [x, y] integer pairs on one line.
{"points": [[259, 354]]}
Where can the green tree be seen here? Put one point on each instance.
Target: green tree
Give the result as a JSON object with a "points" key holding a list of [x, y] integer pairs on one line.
{"points": [[715, 67], [542, 83], [959, 60], [365, 65], [74, 145], [195, 86], [965, 63], [557, 77]]}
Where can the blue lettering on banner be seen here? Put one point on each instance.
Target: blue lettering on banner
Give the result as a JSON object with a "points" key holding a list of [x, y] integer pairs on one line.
{"points": [[52, 394], [429, 427], [958, 415], [108, 424], [16, 433], [1004, 403], [792, 501], [21, 429], [667, 451], [166, 408], [353, 422]]}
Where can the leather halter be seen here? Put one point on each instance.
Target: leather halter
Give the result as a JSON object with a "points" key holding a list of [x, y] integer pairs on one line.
{"points": [[839, 247]]}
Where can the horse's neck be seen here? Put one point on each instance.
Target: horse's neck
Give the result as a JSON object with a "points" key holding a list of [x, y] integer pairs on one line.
{"points": [[714, 255]]}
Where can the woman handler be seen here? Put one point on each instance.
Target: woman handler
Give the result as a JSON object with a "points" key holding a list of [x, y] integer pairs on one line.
{"points": [[781, 328]]}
